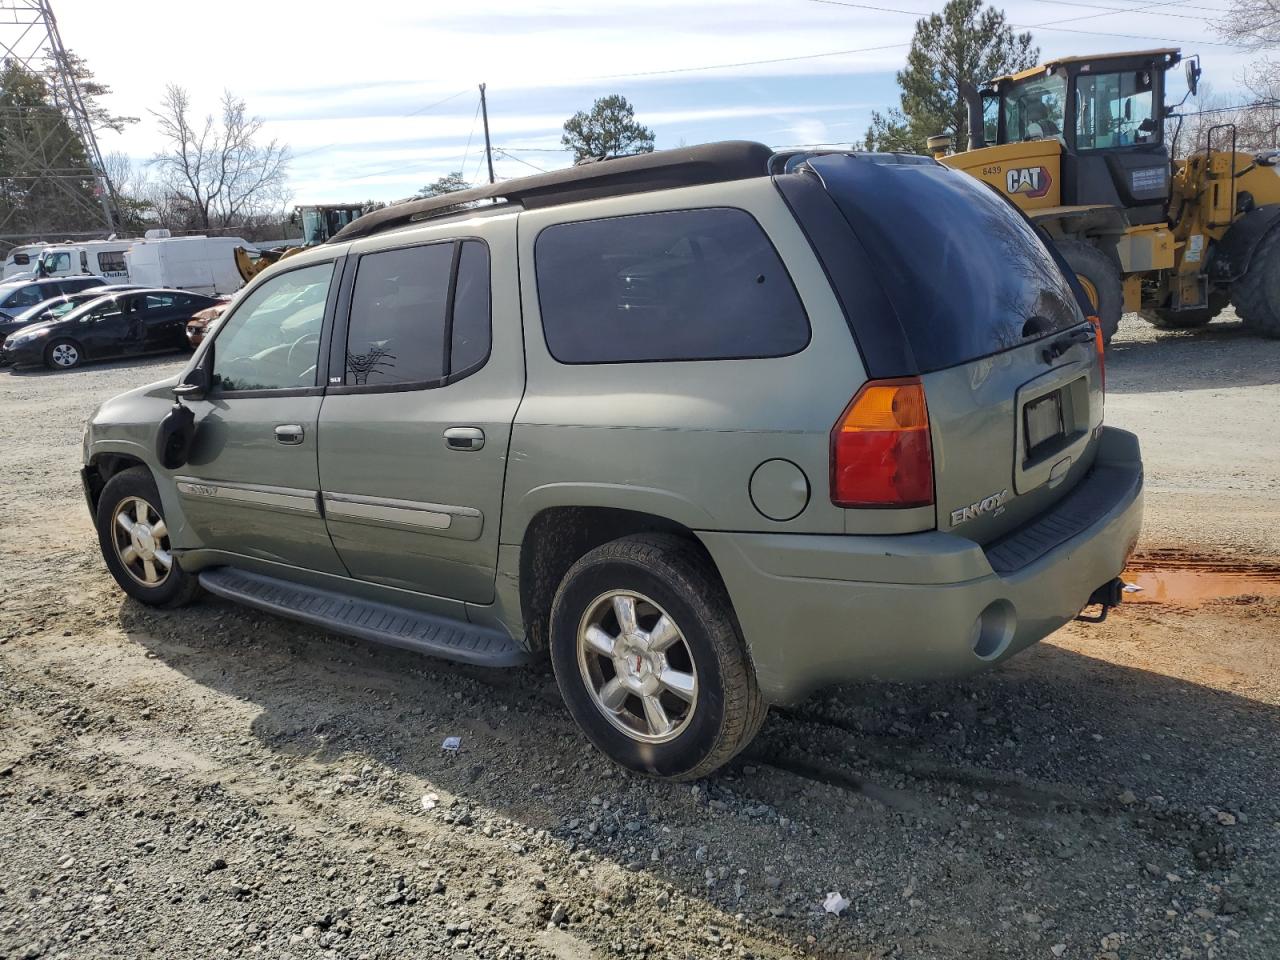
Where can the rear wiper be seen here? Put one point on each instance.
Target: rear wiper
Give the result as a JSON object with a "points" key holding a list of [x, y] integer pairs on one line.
{"points": [[1064, 343]]}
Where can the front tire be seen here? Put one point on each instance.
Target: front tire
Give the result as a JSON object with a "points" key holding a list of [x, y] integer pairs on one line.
{"points": [[1099, 274], [63, 355], [1256, 295], [135, 542], [649, 659]]}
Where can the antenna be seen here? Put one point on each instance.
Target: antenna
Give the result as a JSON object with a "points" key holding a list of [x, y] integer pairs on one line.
{"points": [[57, 186]]}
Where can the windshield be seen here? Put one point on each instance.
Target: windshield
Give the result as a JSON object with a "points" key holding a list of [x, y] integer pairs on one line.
{"points": [[1033, 109], [1115, 110], [321, 223], [59, 262]]}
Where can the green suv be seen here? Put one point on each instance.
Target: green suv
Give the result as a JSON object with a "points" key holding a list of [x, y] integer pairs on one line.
{"points": [[710, 427]]}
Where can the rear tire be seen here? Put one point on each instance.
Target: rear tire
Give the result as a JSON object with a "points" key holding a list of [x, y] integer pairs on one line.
{"points": [[600, 662], [135, 542], [1099, 274], [1256, 295], [63, 355]]}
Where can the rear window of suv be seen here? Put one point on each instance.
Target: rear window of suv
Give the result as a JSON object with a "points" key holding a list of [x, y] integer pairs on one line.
{"points": [[680, 285], [966, 273]]}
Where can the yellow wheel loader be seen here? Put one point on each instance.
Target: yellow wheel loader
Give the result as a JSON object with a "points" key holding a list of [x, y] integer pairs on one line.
{"points": [[1078, 144], [319, 222]]}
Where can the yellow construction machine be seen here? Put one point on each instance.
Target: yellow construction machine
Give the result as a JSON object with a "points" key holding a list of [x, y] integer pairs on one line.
{"points": [[1079, 144], [319, 222]]}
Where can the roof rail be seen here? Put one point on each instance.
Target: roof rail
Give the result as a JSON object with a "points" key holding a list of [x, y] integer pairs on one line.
{"points": [[641, 173]]}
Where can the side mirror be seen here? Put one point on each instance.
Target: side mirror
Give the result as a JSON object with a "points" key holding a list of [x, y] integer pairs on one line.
{"points": [[198, 382], [1193, 75]]}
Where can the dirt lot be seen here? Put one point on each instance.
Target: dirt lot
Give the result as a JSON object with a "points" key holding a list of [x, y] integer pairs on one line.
{"points": [[214, 782]]}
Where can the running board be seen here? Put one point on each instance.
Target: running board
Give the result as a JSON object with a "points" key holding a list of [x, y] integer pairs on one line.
{"points": [[425, 633]]}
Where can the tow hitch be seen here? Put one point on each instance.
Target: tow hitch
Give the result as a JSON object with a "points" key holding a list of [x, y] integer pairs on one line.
{"points": [[1109, 595]]}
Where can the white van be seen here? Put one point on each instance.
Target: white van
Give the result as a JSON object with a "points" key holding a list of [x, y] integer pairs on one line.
{"points": [[22, 261], [199, 264], [98, 258]]}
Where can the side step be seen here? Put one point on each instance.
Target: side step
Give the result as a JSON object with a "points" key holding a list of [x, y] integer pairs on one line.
{"points": [[426, 633]]}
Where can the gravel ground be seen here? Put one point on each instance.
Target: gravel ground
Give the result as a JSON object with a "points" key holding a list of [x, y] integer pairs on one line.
{"points": [[214, 782]]}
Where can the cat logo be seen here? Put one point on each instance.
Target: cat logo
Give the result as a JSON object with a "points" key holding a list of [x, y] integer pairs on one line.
{"points": [[1032, 182]]}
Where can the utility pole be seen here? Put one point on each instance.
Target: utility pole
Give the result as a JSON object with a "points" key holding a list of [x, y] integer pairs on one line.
{"points": [[60, 162], [488, 147]]}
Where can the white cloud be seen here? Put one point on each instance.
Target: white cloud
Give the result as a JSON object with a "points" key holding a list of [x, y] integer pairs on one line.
{"points": [[337, 81]]}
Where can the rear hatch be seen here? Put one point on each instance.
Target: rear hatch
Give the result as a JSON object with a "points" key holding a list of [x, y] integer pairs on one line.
{"points": [[993, 328]]}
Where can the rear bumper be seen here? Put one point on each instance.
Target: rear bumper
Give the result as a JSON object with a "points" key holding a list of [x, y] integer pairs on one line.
{"points": [[817, 610]]}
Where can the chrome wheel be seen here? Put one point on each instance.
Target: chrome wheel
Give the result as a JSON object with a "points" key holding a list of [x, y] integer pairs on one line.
{"points": [[637, 666], [64, 355], [142, 541]]}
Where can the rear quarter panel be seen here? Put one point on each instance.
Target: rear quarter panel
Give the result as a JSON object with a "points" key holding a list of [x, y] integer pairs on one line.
{"points": [[681, 439]]}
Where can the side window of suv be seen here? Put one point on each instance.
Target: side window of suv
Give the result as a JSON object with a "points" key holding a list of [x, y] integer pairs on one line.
{"points": [[419, 315], [272, 340], [683, 285]]}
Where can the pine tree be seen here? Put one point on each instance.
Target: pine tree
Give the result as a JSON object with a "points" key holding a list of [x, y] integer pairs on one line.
{"points": [[964, 45]]}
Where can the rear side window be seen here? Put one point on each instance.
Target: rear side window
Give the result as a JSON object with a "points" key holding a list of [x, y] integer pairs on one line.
{"points": [[683, 285], [410, 322], [112, 262], [965, 271]]}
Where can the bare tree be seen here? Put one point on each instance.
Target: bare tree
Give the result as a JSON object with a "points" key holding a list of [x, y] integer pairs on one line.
{"points": [[217, 169], [1254, 24]]}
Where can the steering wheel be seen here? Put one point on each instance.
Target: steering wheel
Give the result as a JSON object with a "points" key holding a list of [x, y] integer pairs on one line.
{"points": [[293, 361]]}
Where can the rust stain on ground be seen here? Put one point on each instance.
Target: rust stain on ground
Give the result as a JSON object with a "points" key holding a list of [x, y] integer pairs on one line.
{"points": [[1180, 578]]}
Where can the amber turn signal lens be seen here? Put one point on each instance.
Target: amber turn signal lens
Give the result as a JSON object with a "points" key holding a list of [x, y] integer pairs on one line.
{"points": [[881, 454]]}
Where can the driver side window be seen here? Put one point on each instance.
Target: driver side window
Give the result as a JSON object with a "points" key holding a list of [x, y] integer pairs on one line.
{"points": [[272, 340]]}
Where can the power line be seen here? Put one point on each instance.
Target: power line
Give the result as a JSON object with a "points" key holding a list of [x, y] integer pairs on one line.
{"points": [[1114, 10], [412, 113], [752, 63], [1051, 25], [518, 160], [471, 134]]}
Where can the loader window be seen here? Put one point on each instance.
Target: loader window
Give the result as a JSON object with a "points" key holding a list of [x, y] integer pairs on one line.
{"points": [[1115, 110], [1033, 109]]}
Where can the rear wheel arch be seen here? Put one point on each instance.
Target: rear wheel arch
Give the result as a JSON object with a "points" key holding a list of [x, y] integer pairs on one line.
{"points": [[557, 537]]}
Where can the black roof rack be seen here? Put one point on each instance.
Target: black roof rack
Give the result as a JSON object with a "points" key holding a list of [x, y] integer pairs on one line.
{"points": [[644, 172]]}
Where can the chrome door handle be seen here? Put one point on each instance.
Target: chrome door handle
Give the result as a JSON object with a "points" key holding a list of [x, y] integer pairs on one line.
{"points": [[464, 438], [289, 433]]}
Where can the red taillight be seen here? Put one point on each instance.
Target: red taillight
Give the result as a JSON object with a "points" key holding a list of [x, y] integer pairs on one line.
{"points": [[1100, 345], [881, 455]]}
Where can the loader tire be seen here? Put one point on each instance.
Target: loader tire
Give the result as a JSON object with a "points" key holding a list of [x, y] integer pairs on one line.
{"points": [[1256, 295], [1099, 274]]}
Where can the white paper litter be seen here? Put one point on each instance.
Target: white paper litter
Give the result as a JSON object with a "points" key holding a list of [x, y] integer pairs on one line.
{"points": [[835, 903], [1132, 588], [451, 744], [429, 801]]}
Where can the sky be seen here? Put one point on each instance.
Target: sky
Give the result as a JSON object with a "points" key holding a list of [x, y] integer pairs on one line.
{"points": [[375, 100]]}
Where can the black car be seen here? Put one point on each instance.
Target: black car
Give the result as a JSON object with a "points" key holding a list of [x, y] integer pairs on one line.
{"points": [[128, 323], [58, 307], [17, 296]]}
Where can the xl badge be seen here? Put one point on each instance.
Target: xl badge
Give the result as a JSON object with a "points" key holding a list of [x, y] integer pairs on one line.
{"points": [[992, 504], [1032, 182]]}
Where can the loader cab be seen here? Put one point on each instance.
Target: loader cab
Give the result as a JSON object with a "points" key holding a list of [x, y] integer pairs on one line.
{"points": [[1107, 113]]}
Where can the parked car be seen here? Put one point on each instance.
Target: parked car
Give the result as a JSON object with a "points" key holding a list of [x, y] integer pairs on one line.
{"points": [[57, 307], [17, 296], [127, 323], [201, 321], [709, 428]]}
